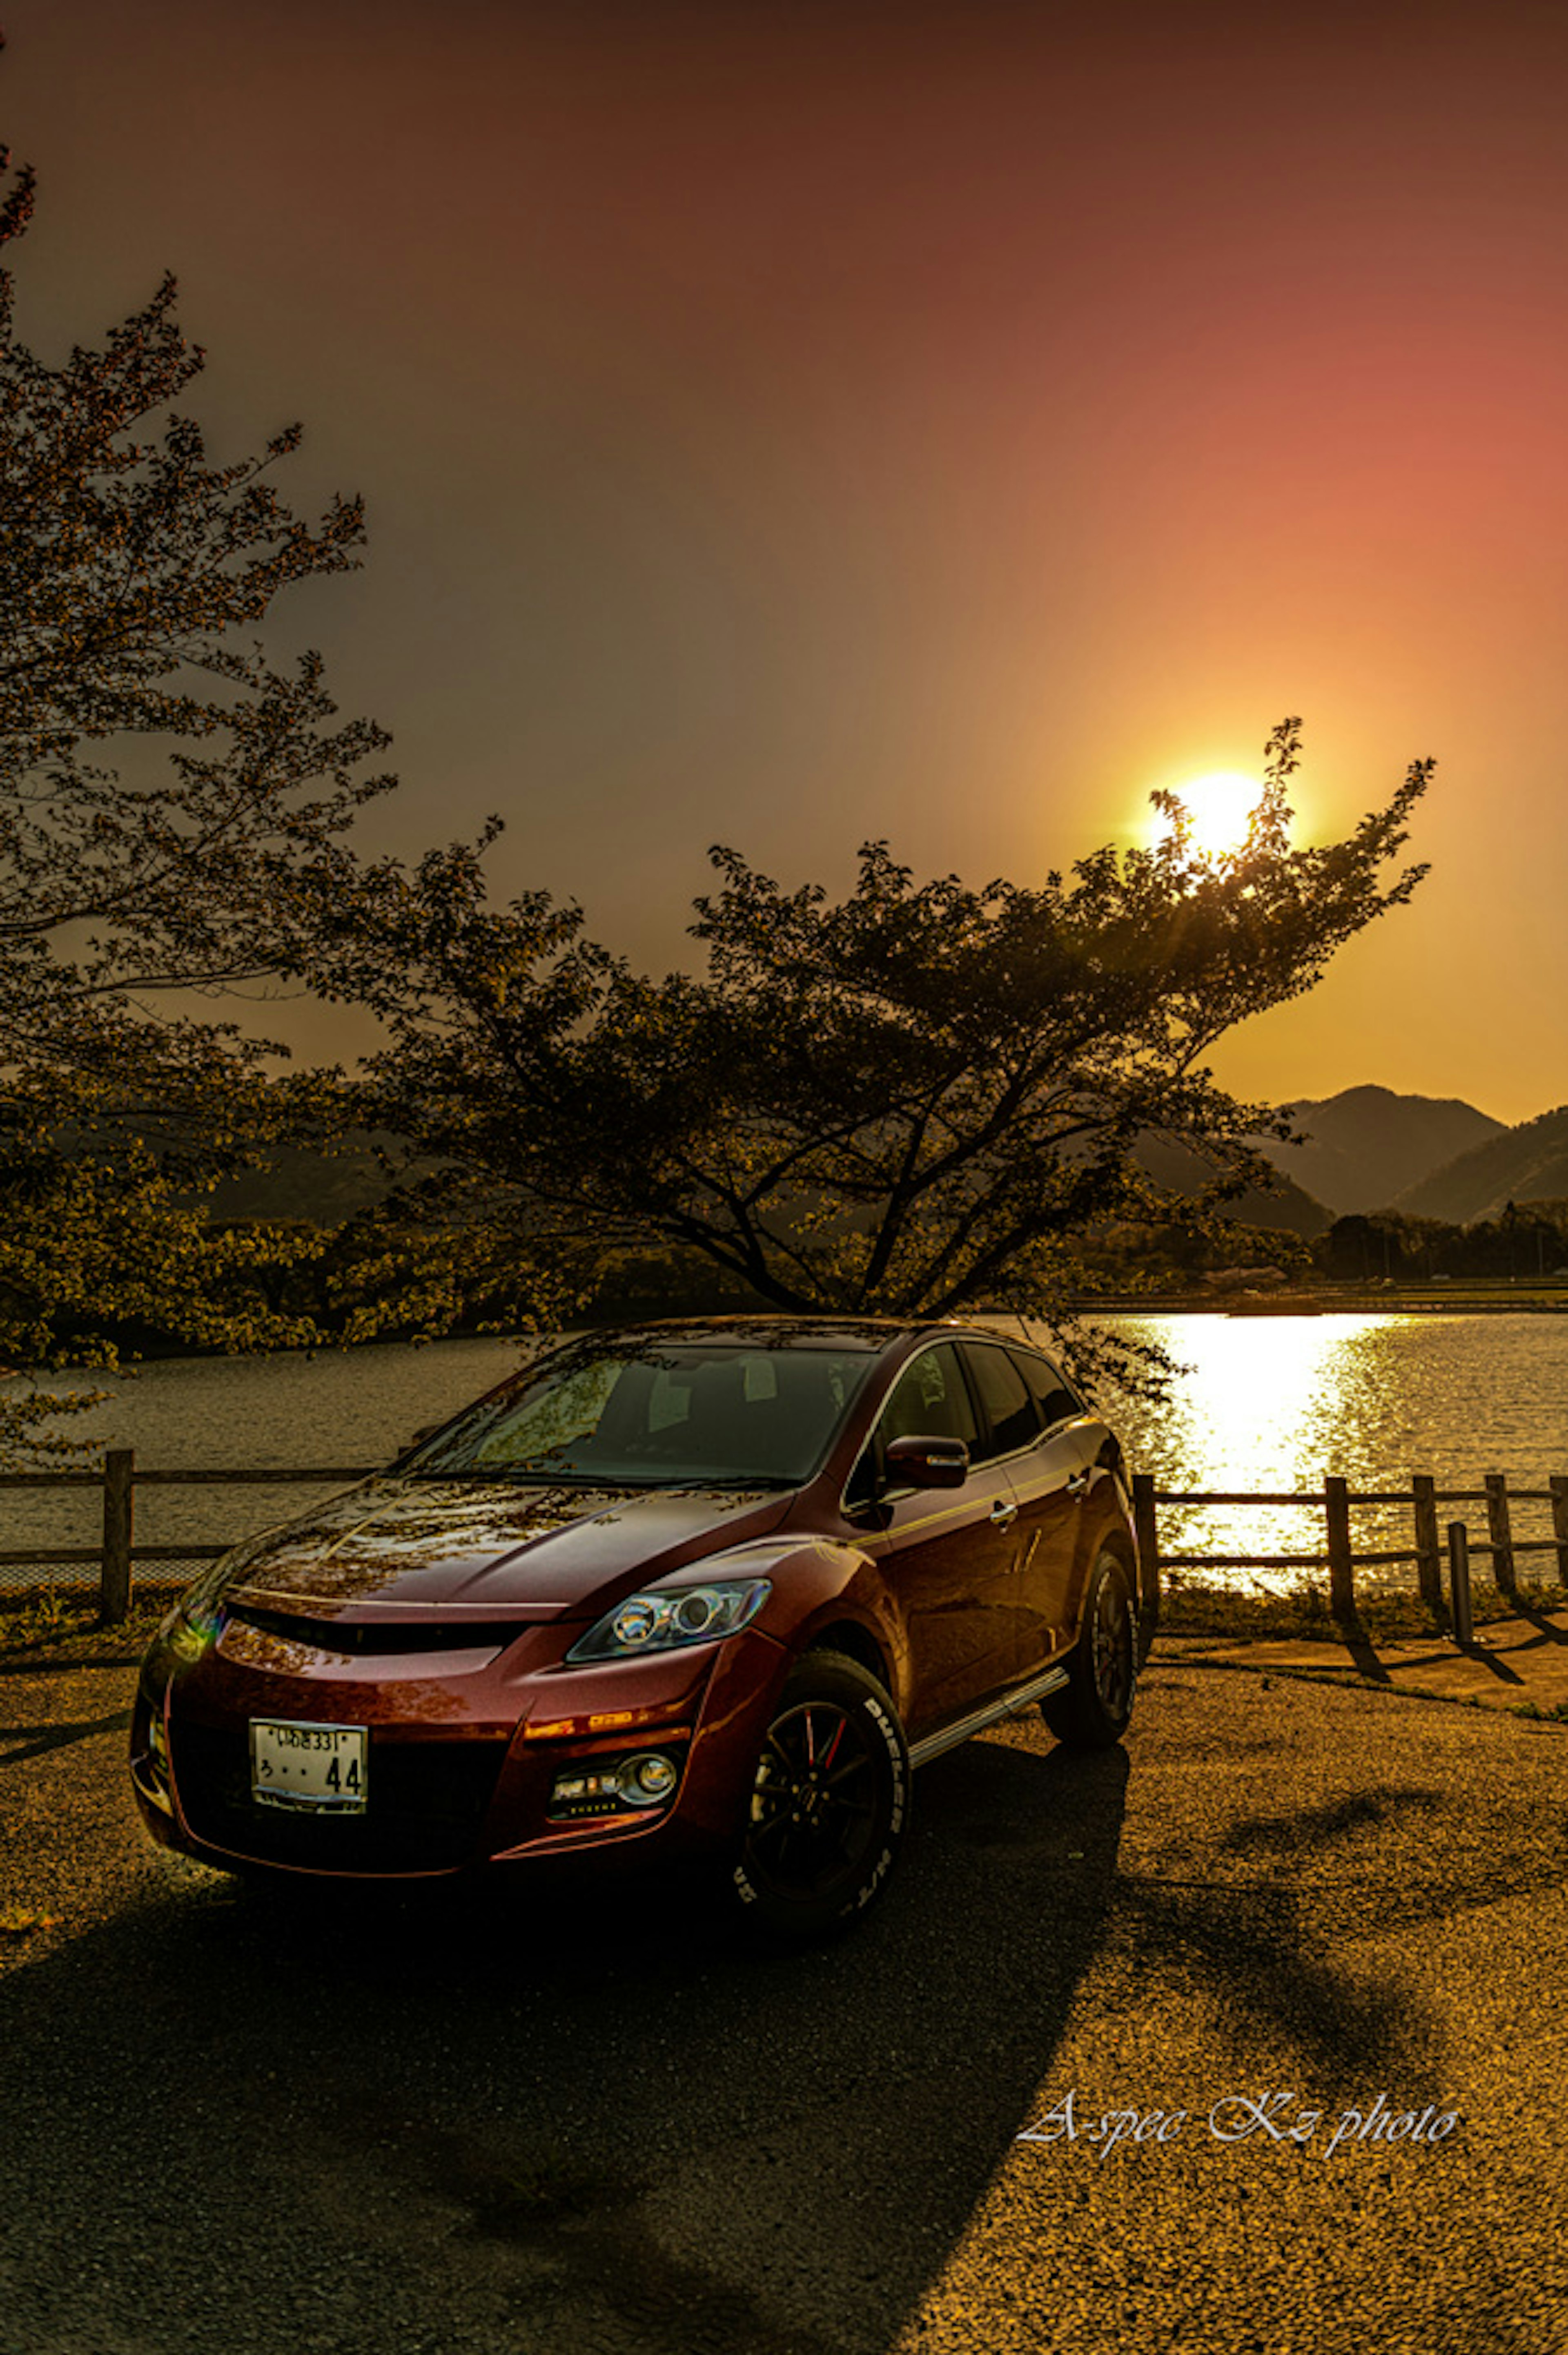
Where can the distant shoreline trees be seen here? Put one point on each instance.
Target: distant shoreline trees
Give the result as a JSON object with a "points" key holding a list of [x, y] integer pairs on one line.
{"points": [[1525, 1241]]}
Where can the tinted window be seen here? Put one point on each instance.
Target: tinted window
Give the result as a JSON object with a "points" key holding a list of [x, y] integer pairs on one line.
{"points": [[930, 1400], [1015, 1418], [1056, 1402]]}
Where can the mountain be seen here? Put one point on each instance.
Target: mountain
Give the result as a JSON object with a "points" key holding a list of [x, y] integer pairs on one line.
{"points": [[1367, 1145], [1528, 1164], [1290, 1209]]}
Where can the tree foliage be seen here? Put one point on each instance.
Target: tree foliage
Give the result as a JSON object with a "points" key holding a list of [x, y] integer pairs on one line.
{"points": [[174, 803], [912, 1099], [1524, 1241]]}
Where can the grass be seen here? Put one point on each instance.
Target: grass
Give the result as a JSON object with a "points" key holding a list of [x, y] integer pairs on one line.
{"points": [[68, 1626], [1188, 1610]]}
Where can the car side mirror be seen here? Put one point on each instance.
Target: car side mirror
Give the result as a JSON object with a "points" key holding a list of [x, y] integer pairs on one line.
{"points": [[426, 1431], [926, 1462]]}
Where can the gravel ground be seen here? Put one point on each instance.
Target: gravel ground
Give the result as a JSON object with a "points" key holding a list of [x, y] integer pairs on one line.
{"points": [[507, 2123]]}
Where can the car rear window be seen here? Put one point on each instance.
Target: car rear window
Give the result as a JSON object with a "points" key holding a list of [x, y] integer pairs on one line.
{"points": [[1015, 1417], [1056, 1402]]}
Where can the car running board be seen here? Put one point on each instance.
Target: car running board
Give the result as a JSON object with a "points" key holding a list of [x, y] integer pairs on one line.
{"points": [[932, 1745]]}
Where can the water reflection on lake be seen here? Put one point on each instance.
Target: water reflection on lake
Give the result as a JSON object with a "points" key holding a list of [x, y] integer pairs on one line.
{"points": [[332, 1407], [1275, 1402], [1270, 1402]]}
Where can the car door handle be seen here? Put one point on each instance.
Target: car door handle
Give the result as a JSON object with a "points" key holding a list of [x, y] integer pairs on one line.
{"points": [[1001, 1512], [1078, 1485]]}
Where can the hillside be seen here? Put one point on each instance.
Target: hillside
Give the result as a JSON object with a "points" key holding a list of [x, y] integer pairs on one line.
{"points": [[1528, 1164], [1369, 1146], [325, 1189], [1290, 1209]]}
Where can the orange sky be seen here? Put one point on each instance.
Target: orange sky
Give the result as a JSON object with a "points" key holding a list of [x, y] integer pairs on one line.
{"points": [[783, 425]]}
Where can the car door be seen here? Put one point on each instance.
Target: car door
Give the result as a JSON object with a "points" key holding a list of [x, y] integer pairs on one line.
{"points": [[952, 1553], [1046, 1448]]}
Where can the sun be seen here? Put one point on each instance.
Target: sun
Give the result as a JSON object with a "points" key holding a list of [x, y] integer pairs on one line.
{"points": [[1220, 805]]}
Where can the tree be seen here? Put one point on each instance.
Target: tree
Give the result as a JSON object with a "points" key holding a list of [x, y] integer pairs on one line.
{"points": [[173, 809], [911, 1100]]}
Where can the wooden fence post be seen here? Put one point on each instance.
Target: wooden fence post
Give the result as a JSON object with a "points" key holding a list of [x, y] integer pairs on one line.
{"points": [[1559, 1487], [1145, 1529], [1428, 1545], [114, 1575], [1341, 1570], [1459, 1581], [1499, 1530]]}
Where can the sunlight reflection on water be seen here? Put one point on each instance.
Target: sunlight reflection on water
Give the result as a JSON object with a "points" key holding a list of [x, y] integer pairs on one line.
{"points": [[1275, 1402]]}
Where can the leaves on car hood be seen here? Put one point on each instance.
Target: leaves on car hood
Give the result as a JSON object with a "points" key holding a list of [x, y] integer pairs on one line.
{"points": [[467, 1544]]}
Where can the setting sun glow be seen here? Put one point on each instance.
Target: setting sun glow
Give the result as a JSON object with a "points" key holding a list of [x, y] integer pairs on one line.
{"points": [[1221, 805]]}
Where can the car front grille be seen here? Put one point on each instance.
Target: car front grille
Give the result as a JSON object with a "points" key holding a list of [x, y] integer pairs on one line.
{"points": [[380, 1636], [427, 1803]]}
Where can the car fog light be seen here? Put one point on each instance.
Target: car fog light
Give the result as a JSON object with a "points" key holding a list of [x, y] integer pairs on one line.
{"points": [[645, 1781], [158, 1743]]}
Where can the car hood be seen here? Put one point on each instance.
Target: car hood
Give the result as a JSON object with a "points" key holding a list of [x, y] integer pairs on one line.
{"points": [[483, 1546]]}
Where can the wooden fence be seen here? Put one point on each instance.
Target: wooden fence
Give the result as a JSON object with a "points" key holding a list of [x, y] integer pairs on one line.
{"points": [[116, 1556], [1334, 1502]]}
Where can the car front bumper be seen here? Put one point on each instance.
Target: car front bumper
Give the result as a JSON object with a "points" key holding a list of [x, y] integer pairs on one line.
{"points": [[472, 1760]]}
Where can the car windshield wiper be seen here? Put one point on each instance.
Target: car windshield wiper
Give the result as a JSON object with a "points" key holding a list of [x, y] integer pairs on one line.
{"points": [[536, 1476], [499, 1474], [741, 1480]]}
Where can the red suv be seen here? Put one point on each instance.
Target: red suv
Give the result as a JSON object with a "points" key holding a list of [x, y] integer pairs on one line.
{"points": [[699, 1588]]}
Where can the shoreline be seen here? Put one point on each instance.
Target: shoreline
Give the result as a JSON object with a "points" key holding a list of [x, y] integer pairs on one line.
{"points": [[1127, 1304], [1336, 1304]]}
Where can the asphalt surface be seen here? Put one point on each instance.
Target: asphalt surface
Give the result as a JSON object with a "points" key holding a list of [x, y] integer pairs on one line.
{"points": [[1519, 1663], [230, 2126]]}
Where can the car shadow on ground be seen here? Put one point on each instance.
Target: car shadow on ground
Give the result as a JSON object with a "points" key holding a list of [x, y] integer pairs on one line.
{"points": [[517, 2117]]}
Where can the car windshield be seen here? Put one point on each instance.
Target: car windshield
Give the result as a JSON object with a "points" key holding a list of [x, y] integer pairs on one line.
{"points": [[670, 1414]]}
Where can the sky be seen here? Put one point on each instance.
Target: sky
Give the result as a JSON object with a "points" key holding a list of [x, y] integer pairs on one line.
{"points": [[791, 422]]}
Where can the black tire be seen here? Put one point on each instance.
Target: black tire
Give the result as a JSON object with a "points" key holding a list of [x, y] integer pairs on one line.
{"points": [[1147, 1621], [1091, 1711], [829, 1804]]}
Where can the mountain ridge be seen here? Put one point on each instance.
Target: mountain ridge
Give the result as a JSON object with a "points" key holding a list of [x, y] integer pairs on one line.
{"points": [[1525, 1164], [1367, 1145]]}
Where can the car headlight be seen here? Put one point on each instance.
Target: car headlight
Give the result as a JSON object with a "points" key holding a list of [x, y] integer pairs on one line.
{"points": [[660, 1620], [196, 1619], [187, 1639]]}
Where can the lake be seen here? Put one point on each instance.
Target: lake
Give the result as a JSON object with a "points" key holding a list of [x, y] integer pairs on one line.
{"points": [[1275, 1402], [1270, 1404]]}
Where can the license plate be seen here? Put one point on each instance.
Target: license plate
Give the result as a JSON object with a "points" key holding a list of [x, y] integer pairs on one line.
{"points": [[322, 1767]]}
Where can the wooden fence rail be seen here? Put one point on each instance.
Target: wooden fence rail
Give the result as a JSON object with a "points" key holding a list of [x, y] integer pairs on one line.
{"points": [[1334, 1502], [119, 1478], [119, 1481]]}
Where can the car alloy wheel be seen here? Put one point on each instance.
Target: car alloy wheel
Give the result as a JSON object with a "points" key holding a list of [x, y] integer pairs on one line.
{"points": [[1093, 1709], [828, 1803]]}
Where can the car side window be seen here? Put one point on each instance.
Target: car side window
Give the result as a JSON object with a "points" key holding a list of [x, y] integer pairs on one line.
{"points": [[930, 1400], [1057, 1403], [1013, 1414]]}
